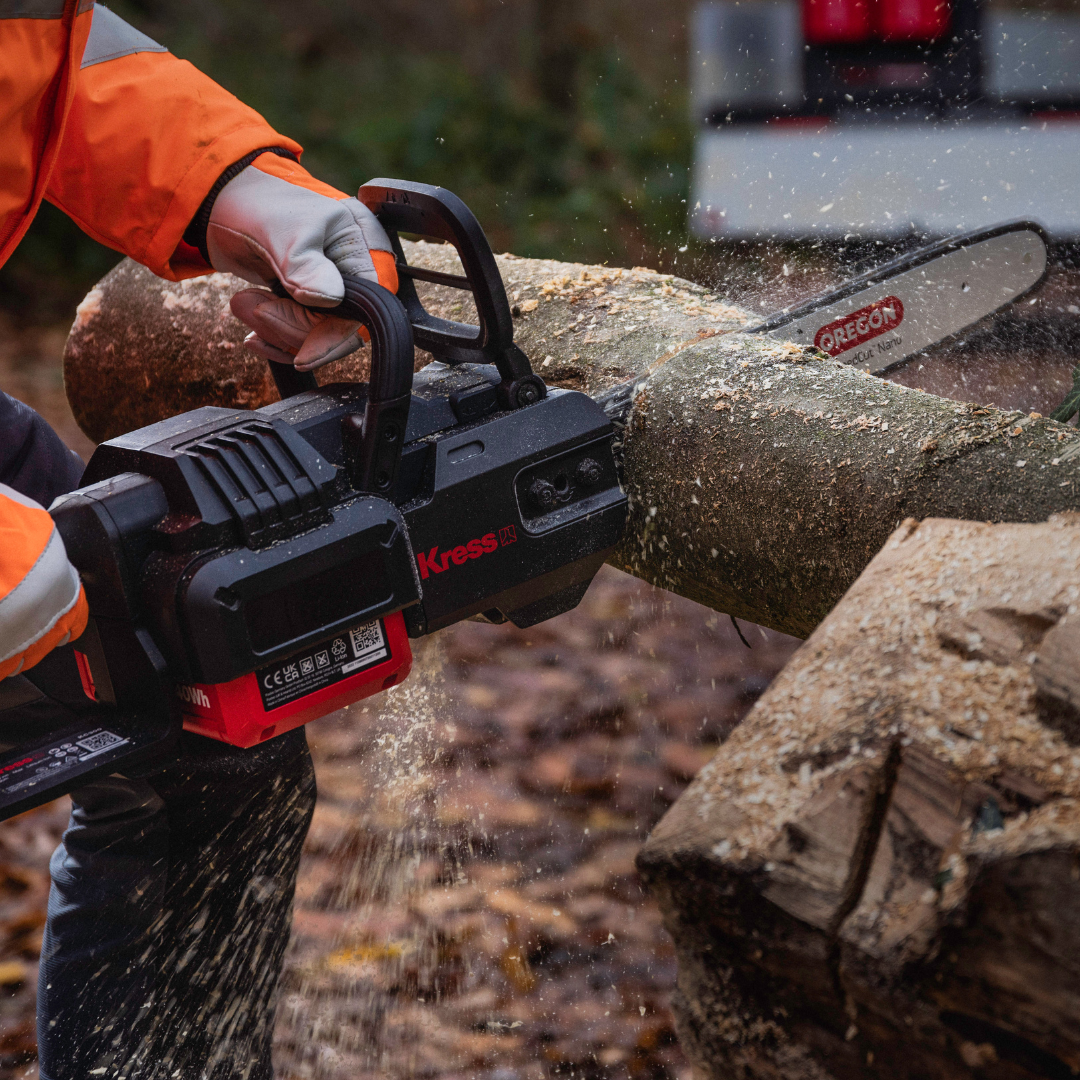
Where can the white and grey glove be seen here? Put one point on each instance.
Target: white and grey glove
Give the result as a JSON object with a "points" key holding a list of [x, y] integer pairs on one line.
{"points": [[263, 228]]}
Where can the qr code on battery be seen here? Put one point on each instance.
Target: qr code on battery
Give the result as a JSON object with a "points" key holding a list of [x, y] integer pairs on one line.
{"points": [[99, 741], [366, 638]]}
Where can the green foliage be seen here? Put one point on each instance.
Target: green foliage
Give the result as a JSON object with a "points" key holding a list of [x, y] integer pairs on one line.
{"points": [[1071, 405], [543, 184], [604, 181], [584, 185]]}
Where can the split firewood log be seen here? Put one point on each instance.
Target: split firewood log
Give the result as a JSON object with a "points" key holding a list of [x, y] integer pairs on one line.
{"points": [[878, 874]]}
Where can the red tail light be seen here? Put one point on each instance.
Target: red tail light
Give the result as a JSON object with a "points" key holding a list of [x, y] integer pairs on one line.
{"points": [[912, 20], [833, 22], [839, 22]]}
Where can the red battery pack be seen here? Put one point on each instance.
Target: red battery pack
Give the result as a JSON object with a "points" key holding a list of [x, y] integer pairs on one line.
{"points": [[342, 669]]}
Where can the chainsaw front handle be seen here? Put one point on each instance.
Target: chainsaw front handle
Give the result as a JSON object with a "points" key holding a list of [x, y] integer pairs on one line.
{"points": [[374, 443]]}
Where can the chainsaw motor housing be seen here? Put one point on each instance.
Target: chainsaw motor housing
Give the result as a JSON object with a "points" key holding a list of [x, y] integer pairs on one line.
{"points": [[270, 580], [510, 514], [267, 582]]}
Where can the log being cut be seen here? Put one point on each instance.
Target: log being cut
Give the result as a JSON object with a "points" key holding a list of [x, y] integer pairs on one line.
{"points": [[878, 875], [763, 478]]}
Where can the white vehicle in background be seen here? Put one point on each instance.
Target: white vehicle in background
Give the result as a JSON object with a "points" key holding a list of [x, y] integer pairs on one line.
{"points": [[882, 118]]}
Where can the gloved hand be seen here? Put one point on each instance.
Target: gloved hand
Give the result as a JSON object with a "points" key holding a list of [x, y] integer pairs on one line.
{"points": [[42, 602], [284, 331], [274, 221]]}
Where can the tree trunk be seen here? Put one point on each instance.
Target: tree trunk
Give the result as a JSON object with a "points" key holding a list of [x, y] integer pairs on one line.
{"points": [[762, 479], [878, 875]]}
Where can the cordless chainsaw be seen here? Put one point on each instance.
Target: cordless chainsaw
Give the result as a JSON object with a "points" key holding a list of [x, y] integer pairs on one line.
{"points": [[248, 572]]}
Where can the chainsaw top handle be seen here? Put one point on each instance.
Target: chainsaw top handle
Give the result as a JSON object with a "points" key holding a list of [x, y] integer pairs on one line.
{"points": [[434, 212], [374, 442]]}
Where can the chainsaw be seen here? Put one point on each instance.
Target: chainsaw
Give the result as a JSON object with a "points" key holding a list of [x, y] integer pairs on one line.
{"points": [[248, 572]]}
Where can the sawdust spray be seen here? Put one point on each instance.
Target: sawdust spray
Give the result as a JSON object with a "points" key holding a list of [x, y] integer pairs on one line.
{"points": [[389, 973]]}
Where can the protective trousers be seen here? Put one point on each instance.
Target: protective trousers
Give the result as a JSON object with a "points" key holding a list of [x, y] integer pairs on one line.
{"points": [[172, 893]]}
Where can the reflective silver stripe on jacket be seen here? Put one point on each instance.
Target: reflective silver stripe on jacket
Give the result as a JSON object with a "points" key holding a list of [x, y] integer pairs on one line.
{"points": [[111, 37], [47, 593], [39, 9]]}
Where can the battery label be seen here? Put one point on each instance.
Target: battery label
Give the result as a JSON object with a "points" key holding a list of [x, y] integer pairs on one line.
{"points": [[47, 763], [351, 651]]}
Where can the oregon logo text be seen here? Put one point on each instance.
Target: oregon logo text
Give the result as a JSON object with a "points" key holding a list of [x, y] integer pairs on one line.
{"points": [[432, 562], [842, 334], [192, 695]]}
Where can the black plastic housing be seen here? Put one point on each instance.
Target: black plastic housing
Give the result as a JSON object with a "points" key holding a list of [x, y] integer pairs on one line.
{"points": [[434, 212], [463, 479], [249, 545]]}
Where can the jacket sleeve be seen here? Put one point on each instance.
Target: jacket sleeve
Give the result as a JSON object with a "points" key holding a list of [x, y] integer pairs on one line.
{"points": [[146, 138], [42, 603]]}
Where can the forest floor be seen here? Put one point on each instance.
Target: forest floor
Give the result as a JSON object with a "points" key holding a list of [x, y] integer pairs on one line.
{"points": [[467, 902]]}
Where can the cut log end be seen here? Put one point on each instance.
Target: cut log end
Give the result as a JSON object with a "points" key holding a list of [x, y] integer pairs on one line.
{"points": [[878, 875], [143, 349]]}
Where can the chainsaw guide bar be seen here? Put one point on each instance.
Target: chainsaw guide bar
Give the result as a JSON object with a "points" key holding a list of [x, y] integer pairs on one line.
{"points": [[901, 308], [897, 310]]}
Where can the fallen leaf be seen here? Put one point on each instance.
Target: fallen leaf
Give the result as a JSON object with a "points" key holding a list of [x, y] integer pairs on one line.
{"points": [[13, 972]]}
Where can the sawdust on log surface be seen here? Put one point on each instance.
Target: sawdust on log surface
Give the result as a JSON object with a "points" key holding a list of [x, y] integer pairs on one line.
{"points": [[142, 348], [876, 672]]}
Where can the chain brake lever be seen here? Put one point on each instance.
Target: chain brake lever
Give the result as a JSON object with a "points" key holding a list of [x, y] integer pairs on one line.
{"points": [[425, 210]]}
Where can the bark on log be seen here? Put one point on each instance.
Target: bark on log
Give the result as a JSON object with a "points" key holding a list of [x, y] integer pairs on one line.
{"points": [[762, 480], [878, 875]]}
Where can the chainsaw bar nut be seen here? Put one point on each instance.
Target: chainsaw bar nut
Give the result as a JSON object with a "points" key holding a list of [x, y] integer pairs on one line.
{"points": [[543, 494], [589, 472]]}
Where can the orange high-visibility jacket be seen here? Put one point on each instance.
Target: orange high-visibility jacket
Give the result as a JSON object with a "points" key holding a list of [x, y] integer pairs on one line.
{"points": [[127, 140]]}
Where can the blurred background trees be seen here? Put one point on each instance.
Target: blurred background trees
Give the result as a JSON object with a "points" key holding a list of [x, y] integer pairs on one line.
{"points": [[562, 123]]}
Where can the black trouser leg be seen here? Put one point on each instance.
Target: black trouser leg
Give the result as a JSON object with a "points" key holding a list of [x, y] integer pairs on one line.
{"points": [[169, 916], [33, 459]]}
